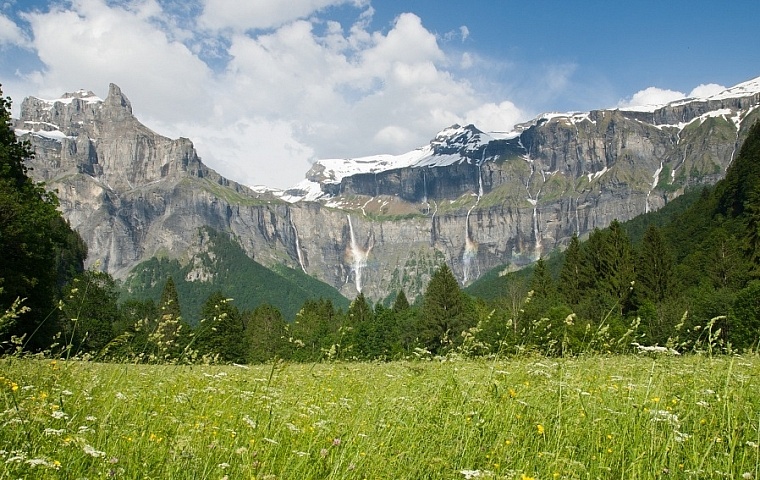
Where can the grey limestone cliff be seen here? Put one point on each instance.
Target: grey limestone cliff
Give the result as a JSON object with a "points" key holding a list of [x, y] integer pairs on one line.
{"points": [[495, 201]]}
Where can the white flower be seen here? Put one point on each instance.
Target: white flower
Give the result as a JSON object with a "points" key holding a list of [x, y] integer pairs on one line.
{"points": [[89, 450], [59, 415]]}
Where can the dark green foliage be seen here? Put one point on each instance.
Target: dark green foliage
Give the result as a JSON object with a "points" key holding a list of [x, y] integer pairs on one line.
{"points": [[446, 312], [40, 252], [542, 283], [220, 333], [654, 270], [90, 312], [742, 178], [265, 334], [570, 281], [401, 303], [317, 331], [169, 302], [744, 318]]}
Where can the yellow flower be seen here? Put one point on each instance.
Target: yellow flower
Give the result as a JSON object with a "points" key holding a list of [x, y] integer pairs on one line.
{"points": [[14, 386], [525, 477], [540, 429]]}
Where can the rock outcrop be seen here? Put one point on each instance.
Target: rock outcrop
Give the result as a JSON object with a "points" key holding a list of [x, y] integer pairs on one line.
{"points": [[473, 200]]}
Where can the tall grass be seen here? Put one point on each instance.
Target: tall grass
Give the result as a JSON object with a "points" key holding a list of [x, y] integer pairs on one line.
{"points": [[634, 417]]}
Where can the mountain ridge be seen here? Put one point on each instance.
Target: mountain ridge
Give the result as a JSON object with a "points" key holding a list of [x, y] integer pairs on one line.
{"points": [[473, 200]]}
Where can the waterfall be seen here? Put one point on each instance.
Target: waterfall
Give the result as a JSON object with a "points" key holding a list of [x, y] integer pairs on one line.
{"points": [[424, 190], [298, 246], [470, 249], [536, 233], [656, 179], [480, 175], [358, 256]]}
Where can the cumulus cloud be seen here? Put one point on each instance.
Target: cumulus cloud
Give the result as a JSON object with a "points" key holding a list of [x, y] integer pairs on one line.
{"points": [[491, 117], [658, 96], [261, 14], [299, 88], [94, 44], [651, 96], [11, 34], [706, 90]]}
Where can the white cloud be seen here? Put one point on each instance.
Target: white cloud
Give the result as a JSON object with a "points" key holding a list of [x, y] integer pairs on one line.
{"points": [[251, 151], [94, 44], [261, 14], [495, 118], [651, 96], [305, 88], [11, 34], [465, 32], [706, 90]]}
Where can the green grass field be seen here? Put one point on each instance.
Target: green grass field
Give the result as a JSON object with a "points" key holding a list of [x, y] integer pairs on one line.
{"points": [[594, 417]]}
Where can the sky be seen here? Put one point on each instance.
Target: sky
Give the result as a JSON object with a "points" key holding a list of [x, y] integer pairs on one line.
{"points": [[264, 88]]}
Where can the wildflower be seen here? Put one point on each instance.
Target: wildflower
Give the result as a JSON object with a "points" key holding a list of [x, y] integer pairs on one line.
{"points": [[224, 465], [469, 474], [323, 453], [540, 429], [336, 442], [90, 450], [59, 415]]}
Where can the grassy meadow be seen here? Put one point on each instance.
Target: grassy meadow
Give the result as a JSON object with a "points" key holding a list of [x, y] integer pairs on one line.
{"points": [[594, 417]]}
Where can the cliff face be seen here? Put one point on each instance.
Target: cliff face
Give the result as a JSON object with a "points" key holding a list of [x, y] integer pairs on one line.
{"points": [[473, 200]]}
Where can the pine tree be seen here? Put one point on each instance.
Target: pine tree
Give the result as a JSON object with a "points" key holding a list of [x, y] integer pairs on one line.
{"points": [[542, 283], [570, 274], [654, 272], [401, 303], [445, 312], [617, 262], [169, 303], [90, 311], [220, 334], [265, 334]]}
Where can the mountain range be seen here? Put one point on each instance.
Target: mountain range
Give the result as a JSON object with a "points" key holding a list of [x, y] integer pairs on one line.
{"points": [[474, 200]]}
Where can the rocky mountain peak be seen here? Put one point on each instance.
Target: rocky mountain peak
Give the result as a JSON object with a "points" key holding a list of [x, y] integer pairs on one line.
{"points": [[457, 139], [118, 100]]}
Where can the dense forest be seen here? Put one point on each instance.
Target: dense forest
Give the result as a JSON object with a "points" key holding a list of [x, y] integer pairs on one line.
{"points": [[684, 278]]}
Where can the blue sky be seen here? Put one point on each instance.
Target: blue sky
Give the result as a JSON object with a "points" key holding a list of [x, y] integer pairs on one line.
{"points": [[266, 87]]}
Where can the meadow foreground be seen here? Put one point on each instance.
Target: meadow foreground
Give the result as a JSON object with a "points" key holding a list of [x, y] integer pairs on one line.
{"points": [[632, 417]]}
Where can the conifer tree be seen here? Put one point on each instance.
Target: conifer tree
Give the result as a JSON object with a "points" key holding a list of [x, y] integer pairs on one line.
{"points": [[90, 311], [445, 312], [654, 272], [401, 303], [265, 334], [220, 334], [570, 274], [542, 283]]}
